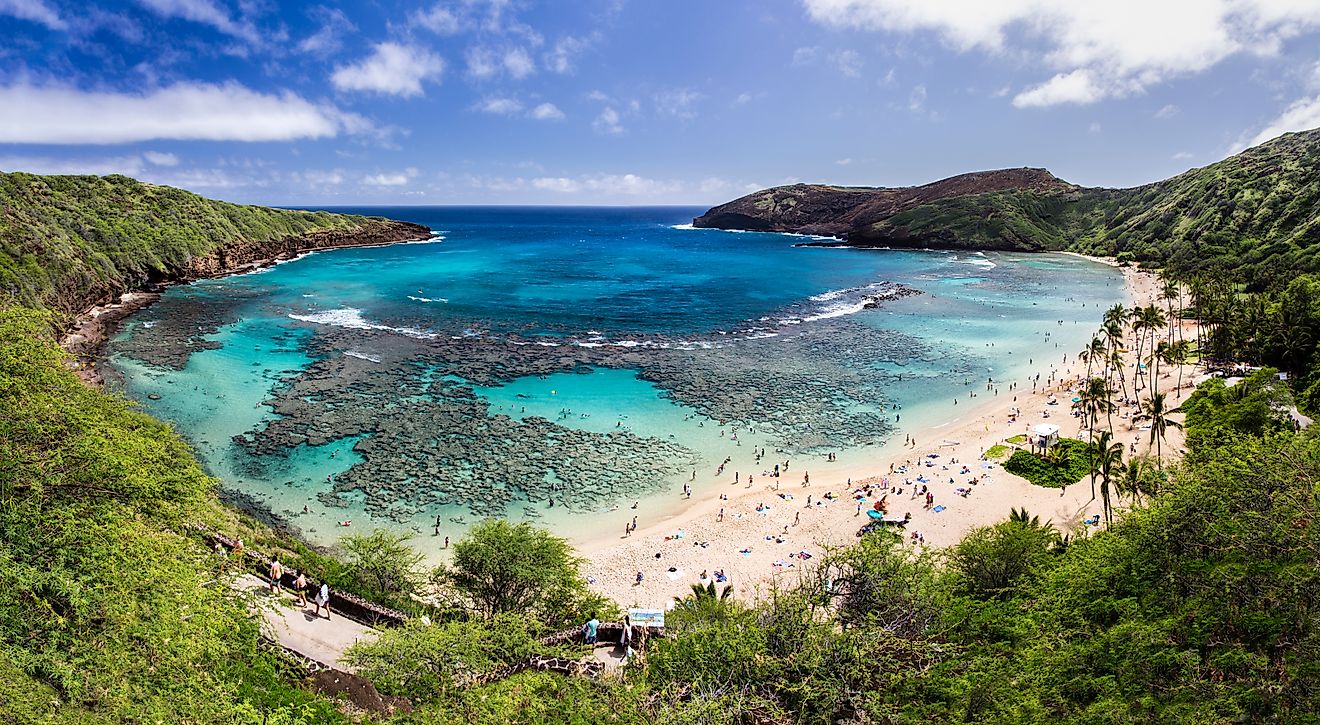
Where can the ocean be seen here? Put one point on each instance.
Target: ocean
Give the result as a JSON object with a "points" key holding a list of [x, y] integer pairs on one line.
{"points": [[549, 364]]}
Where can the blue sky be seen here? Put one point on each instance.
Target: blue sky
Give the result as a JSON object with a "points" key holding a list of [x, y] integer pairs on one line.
{"points": [[634, 102]]}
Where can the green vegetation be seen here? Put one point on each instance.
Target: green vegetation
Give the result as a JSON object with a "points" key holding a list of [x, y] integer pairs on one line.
{"points": [[1062, 464], [501, 568], [999, 451], [1249, 217], [69, 241], [108, 612]]}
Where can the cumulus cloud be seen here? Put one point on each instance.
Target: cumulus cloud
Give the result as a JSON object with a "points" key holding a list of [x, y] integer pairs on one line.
{"points": [[547, 112], [1302, 115], [437, 19], [1097, 50], [37, 11], [617, 184], [561, 58], [518, 63], [392, 69], [678, 103], [160, 158], [500, 106], [398, 178], [184, 111], [329, 38], [204, 12], [130, 165], [608, 122]]}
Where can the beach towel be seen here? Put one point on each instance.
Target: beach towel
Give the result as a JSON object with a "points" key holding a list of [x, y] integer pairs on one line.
{"points": [[938, 509], [674, 575]]}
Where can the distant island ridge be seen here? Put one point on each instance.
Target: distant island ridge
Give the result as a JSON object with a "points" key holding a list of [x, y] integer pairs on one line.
{"points": [[1221, 217]]}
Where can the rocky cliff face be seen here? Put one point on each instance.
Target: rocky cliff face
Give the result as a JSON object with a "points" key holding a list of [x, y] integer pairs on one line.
{"points": [[850, 212], [230, 258]]}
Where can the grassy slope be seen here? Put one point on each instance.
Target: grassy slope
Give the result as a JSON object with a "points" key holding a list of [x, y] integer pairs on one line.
{"points": [[1255, 215], [65, 239], [108, 611]]}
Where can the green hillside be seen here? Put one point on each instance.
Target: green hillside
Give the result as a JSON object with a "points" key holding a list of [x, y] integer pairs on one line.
{"points": [[67, 242], [1254, 216]]}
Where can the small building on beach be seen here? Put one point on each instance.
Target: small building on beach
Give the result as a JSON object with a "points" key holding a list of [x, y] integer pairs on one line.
{"points": [[1045, 435]]}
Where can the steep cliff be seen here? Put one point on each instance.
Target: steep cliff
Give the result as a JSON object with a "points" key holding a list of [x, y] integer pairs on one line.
{"points": [[70, 242]]}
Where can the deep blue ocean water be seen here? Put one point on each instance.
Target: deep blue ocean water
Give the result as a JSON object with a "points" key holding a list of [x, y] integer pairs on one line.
{"points": [[764, 325]]}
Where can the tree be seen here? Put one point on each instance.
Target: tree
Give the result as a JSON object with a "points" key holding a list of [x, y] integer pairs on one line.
{"points": [[383, 562], [1159, 423], [706, 602], [994, 561], [503, 567], [1108, 456]]}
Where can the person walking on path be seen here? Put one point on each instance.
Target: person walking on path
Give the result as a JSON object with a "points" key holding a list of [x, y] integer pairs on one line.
{"points": [[323, 600], [589, 629], [276, 573], [300, 588], [625, 637]]}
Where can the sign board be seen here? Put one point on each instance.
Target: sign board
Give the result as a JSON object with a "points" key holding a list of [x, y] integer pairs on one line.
{"points": [[654, 618]]}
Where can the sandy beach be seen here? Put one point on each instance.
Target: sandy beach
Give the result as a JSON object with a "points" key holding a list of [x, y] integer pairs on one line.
{"points": [[767, 527]]}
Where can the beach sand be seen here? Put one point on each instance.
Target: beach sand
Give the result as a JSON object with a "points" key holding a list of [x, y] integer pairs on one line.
{"points": [[710, 545]]}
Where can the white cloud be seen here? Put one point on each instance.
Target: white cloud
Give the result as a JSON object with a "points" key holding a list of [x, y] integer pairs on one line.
{"points": [[500, 106], [1078, 87], [608, 122], [547, 112], [323, 178], [844, 162], [1097, 50], [391, 69], [678, 103], [742, 99], [560, 59], [1302, 115], [481, 63], [438, 19], [917, 98], [334, 25], [805, 56], [390, 179], [849, 62], [183, 111], [1168, 111], [610, 184], [37, 11], [518, 63], [558, 184], [204, 12], [1095, 127], [1182, 156], [160, 158], [128, 165]]}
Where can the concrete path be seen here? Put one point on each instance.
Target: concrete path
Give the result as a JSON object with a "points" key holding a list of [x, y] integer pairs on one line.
{"points": [[302, 631]]}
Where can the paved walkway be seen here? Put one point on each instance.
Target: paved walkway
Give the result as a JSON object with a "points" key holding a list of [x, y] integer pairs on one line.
{"points": [[302, 631]]}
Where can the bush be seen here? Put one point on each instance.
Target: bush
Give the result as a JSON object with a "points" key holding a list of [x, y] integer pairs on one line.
{"points": [[1071, 464]]}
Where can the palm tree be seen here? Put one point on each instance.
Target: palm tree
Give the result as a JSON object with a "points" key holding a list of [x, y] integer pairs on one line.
{"points": [[1021, 516], [1138, 324], [1108, 456], [1154, 321], [1159, 423], [1130, 481], [1159, 354], [705, 600], [1179, 353], [1095, 399], [1093, 352], [1170, 291]]}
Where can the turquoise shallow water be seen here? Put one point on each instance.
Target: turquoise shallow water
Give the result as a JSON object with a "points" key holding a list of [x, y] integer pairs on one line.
{"points": [[550, 363]]}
